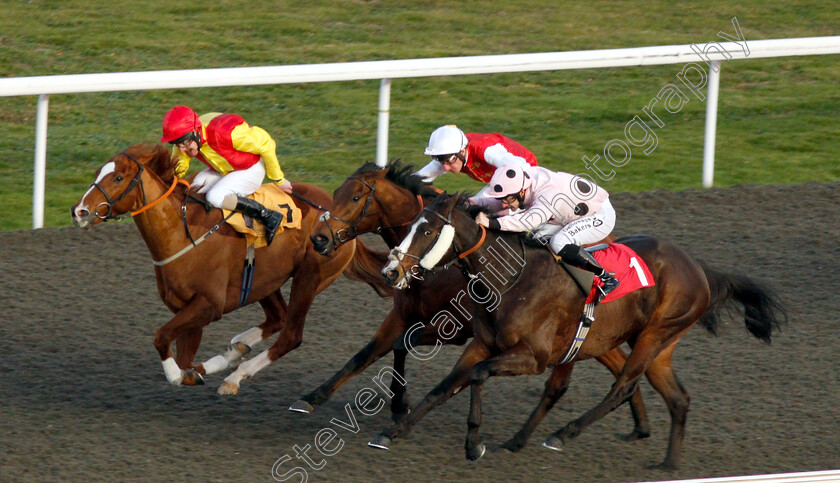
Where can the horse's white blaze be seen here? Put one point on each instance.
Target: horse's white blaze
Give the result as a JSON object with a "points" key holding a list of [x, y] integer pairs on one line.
{"points": [[444, 241], [406, 243], [172, 371], [250, 337], [396, 255], [109, 168]]}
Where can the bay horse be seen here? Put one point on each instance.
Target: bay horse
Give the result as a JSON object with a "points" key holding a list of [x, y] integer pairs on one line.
{"points": [[199, 263], [385, 200], [533, 322]]}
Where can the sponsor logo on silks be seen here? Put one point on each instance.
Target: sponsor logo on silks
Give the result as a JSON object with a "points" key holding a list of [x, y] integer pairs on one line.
{"points": [[579, 228], [596, 222]]}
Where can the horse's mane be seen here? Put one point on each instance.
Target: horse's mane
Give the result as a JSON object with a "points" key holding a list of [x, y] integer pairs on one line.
{"points": [[161, 162], [401, 175]]}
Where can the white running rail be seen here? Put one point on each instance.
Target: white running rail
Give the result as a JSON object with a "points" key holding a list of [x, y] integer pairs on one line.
{"points": [[386, 70]]}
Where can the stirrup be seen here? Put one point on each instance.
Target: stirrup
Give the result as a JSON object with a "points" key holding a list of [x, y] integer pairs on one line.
{"points": [[608, 284]]}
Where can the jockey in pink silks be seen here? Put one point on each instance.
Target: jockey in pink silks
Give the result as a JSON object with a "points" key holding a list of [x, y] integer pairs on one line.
{"points": [[566, 210]]}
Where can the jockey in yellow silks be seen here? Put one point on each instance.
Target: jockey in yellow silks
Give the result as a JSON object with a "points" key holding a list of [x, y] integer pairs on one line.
{"points": [[238, 158]]}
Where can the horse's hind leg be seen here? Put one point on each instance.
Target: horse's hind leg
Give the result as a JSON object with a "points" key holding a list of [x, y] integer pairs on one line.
{"points": [[661, 376], [647, 348], [614, 361], [555, 387], [275, 308], [310, 278]]}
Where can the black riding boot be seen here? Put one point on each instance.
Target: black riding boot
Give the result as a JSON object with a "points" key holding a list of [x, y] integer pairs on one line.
{"points": [[269, 218], [577, 256]]}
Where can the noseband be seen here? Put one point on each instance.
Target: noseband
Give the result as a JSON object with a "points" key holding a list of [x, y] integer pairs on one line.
{"points": [[137, 180], [133, 184], [417, 270]]}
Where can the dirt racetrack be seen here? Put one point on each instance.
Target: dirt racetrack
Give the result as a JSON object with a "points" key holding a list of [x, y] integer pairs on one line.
{"points": [[84, 397]]}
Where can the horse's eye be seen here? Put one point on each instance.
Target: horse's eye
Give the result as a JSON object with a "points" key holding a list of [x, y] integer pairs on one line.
{"points": [[428, 233], [118, 178], [356, 198]]}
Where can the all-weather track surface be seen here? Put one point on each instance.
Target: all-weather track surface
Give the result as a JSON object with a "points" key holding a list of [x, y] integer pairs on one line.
{"points": [[83, 396]]}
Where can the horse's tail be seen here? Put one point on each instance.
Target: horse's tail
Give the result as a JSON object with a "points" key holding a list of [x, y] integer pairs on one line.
{"points": [[763, 310], [366, 266]]}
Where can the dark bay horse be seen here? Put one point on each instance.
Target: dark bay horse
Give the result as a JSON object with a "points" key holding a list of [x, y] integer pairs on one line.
{"points": [[199, 263], [532, 322], [385, 201]]}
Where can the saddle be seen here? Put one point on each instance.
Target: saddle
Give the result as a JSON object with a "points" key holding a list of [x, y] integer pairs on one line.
{"points": [[273, 198], [628, 267]]}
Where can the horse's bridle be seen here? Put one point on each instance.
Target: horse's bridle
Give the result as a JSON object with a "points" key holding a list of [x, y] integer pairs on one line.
{"points": [[131, 185], [416, 270], [352, 230], [137, 180]]}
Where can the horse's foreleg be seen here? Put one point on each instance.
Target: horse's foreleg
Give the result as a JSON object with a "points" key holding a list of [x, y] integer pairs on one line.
{"points": [[519, 360], [614, 361], [275, 308], [196, 314], [399, 401], [555, 387], [458, 378], [382, 343]]}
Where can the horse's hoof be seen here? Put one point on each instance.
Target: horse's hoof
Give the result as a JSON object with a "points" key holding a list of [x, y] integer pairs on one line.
{"points": [[513, 445], [380, 442], [634, 436], [228, 389], [240, 347], [301, 406], [476, 452], [553, 442], [192, 378], [664, 466]]}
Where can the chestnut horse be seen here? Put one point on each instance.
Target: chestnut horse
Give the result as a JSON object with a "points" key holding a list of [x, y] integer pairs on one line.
{"points": [[532, 324], [385, 201], [199, 263]]}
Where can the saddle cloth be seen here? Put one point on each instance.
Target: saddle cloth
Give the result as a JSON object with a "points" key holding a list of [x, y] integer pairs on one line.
{"points": [[272, 197], [631, 271]]}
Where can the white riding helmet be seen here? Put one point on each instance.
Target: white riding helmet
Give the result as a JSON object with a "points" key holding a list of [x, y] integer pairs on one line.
{"points": [[446, 140]]}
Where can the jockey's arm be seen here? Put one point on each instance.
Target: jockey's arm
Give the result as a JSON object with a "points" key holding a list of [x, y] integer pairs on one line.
{"points": [[431, 171], [498, 156], [526, 220], [253, 139]]}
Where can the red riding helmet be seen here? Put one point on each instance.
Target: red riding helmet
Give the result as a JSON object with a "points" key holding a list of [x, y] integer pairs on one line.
{"points": [[178, 122]]}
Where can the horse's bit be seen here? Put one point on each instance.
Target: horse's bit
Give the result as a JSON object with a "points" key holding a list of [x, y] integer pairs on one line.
{"points": [[133, 184]]}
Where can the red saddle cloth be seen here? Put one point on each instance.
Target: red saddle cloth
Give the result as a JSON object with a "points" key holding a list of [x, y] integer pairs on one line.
{"points": [[631, 271]]}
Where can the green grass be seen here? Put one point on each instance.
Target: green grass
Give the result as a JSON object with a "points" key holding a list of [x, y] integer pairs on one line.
{"points": [[777, 121]]}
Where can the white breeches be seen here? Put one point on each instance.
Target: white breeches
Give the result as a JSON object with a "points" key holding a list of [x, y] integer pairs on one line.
{"points": [[240, 183], [584, 231]]}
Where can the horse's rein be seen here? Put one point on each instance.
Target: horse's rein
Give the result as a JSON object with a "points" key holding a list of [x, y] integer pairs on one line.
{"points": [[163, 196]]}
